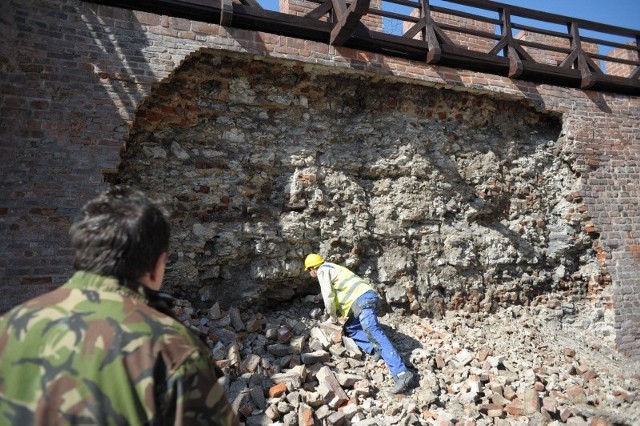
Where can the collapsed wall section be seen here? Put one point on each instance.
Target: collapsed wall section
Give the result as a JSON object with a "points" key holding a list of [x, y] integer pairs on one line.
{"points": [[445, 200]]}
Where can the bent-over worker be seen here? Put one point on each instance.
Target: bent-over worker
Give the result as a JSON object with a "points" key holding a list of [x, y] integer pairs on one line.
{"points": [[347, 295]]}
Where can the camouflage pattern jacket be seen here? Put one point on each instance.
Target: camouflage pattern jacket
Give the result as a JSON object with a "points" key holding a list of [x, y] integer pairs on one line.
{"points": [[94, 352]]}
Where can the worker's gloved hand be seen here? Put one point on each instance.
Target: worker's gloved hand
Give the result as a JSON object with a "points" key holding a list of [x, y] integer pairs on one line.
{"points": [[317, 314], [332, 320]]}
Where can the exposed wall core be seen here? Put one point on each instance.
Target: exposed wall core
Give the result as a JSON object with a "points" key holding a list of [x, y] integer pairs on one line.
{"points": [[446, 199]]}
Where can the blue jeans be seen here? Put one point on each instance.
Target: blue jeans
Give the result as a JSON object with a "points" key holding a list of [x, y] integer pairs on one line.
{"points": [[363, 327]]}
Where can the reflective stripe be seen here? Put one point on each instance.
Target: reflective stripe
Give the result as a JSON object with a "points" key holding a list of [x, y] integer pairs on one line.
{"points": [[348, 287]]}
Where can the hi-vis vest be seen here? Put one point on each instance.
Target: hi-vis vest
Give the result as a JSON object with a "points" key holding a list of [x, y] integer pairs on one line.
{"points": [[348, 287]]}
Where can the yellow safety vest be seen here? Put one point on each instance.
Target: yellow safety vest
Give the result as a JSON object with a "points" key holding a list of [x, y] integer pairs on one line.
{"points": [[348, 287]]}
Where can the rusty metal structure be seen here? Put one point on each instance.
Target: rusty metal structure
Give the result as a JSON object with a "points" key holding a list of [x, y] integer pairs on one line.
{"points": [[435, 35]]}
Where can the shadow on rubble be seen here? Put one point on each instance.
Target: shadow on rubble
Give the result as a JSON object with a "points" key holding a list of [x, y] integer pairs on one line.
{"points": [[406, 346]]}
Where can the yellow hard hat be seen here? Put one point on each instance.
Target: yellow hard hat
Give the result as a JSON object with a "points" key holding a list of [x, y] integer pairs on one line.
{"points": [[312, 260]]}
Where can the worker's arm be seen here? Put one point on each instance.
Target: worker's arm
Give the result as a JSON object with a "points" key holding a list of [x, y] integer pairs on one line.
{"points": [[328, 294]]}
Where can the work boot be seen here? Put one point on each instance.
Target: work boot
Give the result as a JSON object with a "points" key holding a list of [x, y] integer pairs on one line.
{"points": [[402, 380], [375, 356]]}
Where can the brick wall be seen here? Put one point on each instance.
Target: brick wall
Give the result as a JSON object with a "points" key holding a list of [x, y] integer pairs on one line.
{"points": [[73, 74], [471, 42], [551, 57], [615, 68], [303, 7]]}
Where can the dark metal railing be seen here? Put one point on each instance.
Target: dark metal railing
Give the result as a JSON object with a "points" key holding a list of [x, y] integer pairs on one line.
{"points": [[478, 35]]}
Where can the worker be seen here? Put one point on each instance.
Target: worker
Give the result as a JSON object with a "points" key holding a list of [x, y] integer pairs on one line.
{"points": [[347, 295], [95, 350]]}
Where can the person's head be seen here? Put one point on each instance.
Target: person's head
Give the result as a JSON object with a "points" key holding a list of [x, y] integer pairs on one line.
{"points": [[123, 234], [312, 262]]}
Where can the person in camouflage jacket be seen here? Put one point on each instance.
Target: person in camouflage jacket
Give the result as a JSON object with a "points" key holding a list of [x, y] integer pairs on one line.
{"points": [[95, 351]]}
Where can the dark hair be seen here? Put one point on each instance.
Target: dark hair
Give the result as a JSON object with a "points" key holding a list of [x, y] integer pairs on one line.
{"points": [[121, 233]]}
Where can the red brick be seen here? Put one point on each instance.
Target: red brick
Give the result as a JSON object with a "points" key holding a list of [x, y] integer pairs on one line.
{"points": [[277, 390]]}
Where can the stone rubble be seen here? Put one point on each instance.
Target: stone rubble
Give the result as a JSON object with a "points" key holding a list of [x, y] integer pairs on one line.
{"points": [[517, 366]]}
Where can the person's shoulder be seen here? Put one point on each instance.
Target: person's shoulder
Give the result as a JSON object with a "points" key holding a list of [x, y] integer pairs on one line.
{"points": [[127, 311], [151, 315], [161, 333], [36, 307], [172, 329]]}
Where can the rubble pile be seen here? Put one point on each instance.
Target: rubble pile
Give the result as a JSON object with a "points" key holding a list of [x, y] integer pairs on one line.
{"points": [[520, 365]]}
